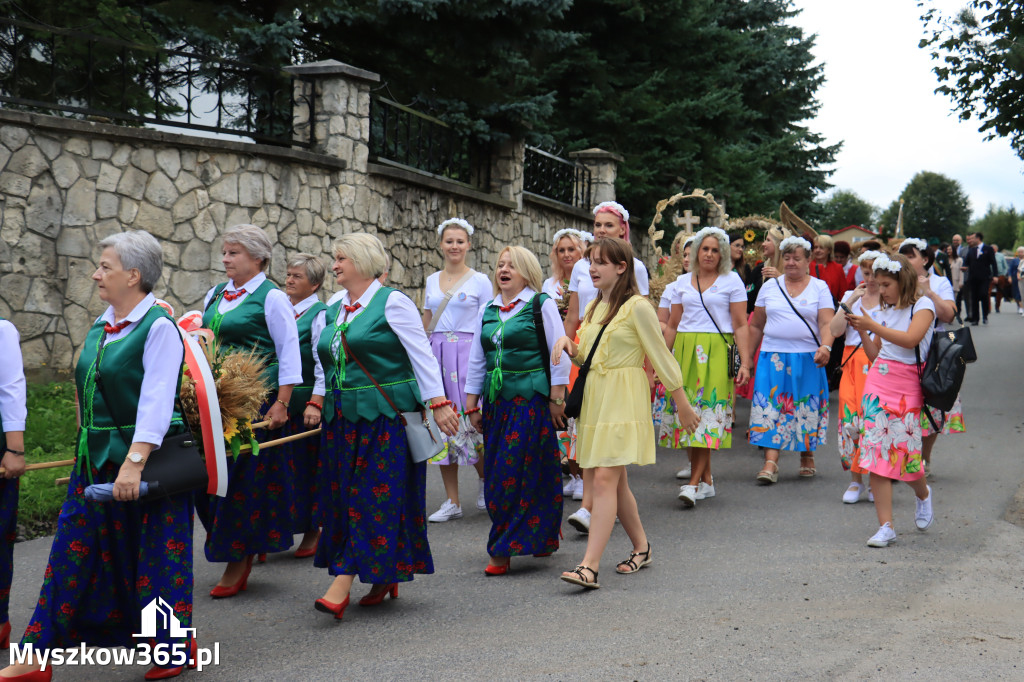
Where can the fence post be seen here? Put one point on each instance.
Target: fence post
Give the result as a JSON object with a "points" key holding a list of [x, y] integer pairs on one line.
{"points": [[339, 96], [507, 170], [604, 167]]}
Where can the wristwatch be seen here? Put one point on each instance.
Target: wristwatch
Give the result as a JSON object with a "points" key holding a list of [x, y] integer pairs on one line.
{"points": [[557, 401], [136, 457]]}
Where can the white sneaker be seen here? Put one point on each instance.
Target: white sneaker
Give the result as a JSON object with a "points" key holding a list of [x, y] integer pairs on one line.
{"points": [[481, 503], [684, 473], [688, 494], [577, 493], [447, 512], [580, 521], [884, 537], [569, 487], [852, 494], [923, 515], [871, 495], [705, 491]]}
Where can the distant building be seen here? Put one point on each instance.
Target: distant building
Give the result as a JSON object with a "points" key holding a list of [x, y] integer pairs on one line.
{"points": [[853, 234]]}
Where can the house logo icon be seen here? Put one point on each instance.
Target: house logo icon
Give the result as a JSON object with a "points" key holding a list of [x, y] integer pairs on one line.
{"points": [[158, 615]]}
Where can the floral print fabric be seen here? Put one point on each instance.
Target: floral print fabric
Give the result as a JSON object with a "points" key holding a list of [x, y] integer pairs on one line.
{"points": [[8, 534], [452, 352], [703, 360], [790, 405], [890, 432]]}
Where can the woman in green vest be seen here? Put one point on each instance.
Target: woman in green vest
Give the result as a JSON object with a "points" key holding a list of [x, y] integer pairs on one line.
{"points": [[110, 560], [248, 312], [12, 448], [305, 277], [510, 364], [371, 500]]}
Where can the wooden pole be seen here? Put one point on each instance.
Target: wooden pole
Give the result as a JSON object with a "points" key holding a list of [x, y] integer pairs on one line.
{"points": [[282, 441], [44, 465], [260, 425]]}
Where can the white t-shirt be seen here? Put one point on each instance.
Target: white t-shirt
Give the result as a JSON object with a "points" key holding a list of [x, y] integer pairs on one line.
{"points": [[580, 282], [667, 295], [852, 335], [941, 286], [728, 288], [462, 314], [784, 332], [899, 319]]}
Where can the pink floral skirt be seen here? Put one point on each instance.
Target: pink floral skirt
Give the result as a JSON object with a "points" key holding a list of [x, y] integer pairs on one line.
{"points": [[890, 421]]}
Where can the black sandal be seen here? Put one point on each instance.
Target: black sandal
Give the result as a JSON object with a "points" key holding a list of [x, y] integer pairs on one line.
{"points": [[582, 579], [633, 565]]}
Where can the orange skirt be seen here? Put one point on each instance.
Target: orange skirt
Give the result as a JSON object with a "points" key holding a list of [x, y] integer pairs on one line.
{"points": [[851, 388]]}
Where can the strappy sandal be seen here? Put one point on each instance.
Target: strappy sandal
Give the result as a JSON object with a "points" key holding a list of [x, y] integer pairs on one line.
{"points": [[765, 477], [582, 579], [806, 471], [633, 565]]}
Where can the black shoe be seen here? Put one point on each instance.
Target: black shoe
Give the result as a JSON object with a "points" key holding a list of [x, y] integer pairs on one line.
{"points": [[974, 324], [985, 321]]}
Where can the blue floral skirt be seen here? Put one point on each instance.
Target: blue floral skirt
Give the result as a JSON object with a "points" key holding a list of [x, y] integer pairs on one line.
{"points": [[303, 457], [258, 515], [790, 404], [8, 534], [371, 502], [522, 477], [108, 561]]}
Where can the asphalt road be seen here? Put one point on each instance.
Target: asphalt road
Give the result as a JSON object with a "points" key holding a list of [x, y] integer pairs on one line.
{"points": [[760, 583]]}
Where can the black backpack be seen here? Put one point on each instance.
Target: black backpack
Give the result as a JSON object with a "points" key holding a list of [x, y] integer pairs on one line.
{"points": [[942, 375]]}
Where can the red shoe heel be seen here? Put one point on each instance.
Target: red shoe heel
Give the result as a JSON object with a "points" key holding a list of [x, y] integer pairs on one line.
{"points": [[5, 636], [325, 606], [158, 673], [490, 570], [34, 676], [262, 558], [376, 598], [221, 592]]}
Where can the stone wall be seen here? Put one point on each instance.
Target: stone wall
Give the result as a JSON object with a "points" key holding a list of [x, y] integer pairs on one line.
{"points": [[67, 184]]}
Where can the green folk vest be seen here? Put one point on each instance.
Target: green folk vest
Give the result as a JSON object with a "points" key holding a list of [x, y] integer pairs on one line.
{"points": [[301, 394], [119, 364], [380, 350], [244, 327], [514, 357]]}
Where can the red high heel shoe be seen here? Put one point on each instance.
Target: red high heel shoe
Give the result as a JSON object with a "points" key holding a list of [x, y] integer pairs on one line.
{"points": [[376, 598], [491, 570], [5, 636], [221, 592], [158, 673], [34, 676], [330, 607], [306, 553], [262, 558]]}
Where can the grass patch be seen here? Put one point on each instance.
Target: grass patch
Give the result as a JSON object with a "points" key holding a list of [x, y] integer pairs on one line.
{"points": [[49, 436]]}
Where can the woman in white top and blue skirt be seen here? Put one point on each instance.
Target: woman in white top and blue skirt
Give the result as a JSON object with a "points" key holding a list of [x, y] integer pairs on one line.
{"points": [[790, 404], [460, 294]]}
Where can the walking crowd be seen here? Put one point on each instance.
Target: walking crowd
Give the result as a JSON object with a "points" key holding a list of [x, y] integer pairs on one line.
{"points": [[548, 388]]}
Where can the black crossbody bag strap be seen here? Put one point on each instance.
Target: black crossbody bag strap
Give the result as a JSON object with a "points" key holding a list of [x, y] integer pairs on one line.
{"points": [[538, 325], [802, 318], [701, 294], [920, 378]]}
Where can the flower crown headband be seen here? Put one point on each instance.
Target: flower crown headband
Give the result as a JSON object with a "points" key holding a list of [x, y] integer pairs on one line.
{"points": [[613, 207], [455, 221], [794, 241], [870, 255], [705, 232], [883, 262], [919, 244], [572, 232]]}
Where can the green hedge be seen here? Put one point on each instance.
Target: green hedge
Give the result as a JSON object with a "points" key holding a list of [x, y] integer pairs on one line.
{"points": [[49, 436]]}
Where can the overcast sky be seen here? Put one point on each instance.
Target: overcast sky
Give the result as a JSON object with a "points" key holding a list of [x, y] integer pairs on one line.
{"points": [[878, 99]]}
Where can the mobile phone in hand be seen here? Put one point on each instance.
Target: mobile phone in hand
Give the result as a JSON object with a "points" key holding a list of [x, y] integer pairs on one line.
{"points": [[845, 308]]}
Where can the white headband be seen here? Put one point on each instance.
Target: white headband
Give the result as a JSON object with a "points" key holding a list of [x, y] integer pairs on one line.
{"points": [[569, 232], [883, 262], [794, 241], [705, 232], [614, 206], [918, 244], [586, 236], [870, 255], [455, 221]]}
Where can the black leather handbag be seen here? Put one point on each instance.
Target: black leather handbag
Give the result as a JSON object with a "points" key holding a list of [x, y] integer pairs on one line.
{"points": [[963, 337], [942, 375], [574, 403]]}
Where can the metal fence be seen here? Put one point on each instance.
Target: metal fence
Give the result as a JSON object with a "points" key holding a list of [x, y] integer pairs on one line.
{"points": [[70, 73], [553, 177], [408, 137]]}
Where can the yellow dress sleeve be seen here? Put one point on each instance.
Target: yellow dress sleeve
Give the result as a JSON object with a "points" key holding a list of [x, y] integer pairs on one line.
{"points": [[645, 320]]}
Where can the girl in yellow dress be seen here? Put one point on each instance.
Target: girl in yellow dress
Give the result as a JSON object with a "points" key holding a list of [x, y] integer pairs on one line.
{"points": [[614, 427]]}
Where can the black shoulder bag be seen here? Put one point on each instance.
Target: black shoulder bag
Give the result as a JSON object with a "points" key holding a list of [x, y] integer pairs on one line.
{"points": [[732, 351], [574, 403], [942, 375]]}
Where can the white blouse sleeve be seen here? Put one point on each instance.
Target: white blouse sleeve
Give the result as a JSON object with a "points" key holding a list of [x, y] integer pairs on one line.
{"points": [[280, 318], [824, 296], [737, 289], [477, 367], [404, 319], [12, 379], [554, 330], [161, 363], [484, 294], [208, 298], [640, 270], [316, 328]]}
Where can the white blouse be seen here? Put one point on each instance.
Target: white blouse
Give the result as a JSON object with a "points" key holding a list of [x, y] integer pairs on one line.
{"points": [[852, 337], [552, 288], [404, 319], [784, 331], [553, 330], [280, 318], [12, 379], [725, 290], [667, 295], [304, 305], [580, 282], [941, 286], [161, 365], [899, 319], [462, 314]]}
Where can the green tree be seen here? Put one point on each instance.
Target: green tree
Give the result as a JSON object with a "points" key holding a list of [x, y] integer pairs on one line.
{"points": [[1000, 225], [844, 208], [934, 207], [981, 55]]}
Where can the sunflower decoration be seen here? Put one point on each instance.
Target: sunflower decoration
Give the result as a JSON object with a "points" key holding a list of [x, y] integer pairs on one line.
{"points": [[749, 236]]}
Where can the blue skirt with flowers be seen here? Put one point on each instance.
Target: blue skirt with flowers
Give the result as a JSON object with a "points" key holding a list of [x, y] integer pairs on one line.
{"points": [[790, 404]]}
